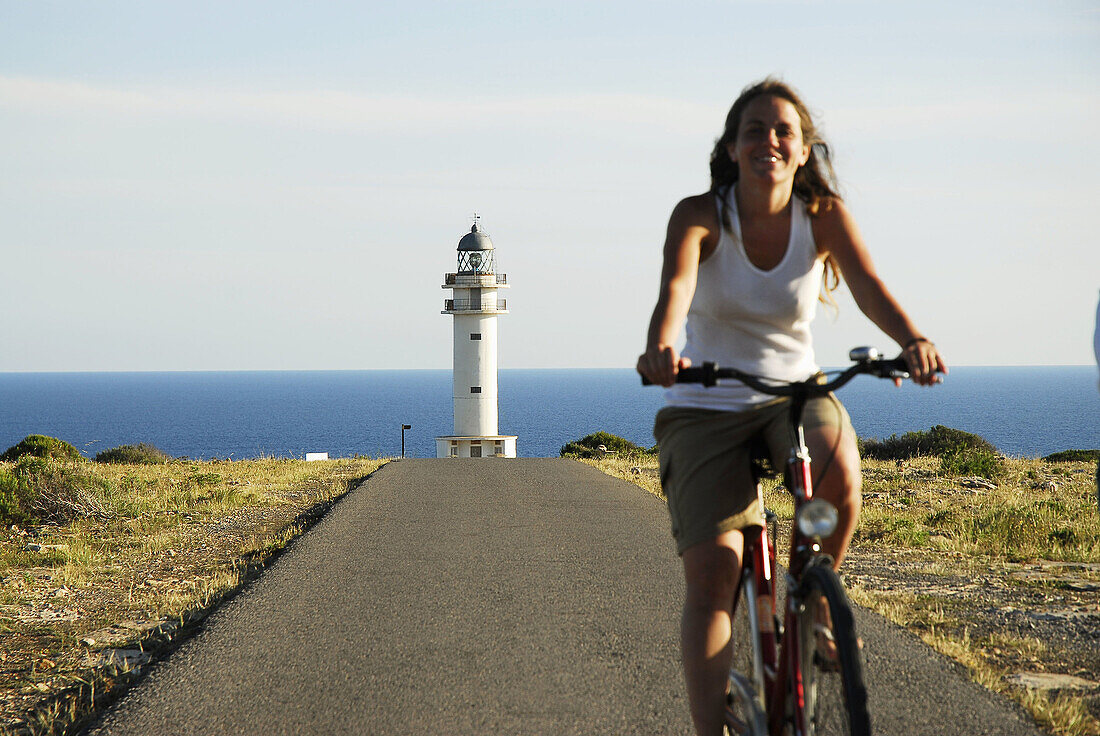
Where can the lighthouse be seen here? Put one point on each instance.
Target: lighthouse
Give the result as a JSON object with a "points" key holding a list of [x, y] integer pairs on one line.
{"points": [[475, 306]]}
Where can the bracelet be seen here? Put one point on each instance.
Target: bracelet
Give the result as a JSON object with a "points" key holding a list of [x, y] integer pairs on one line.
{"points": [[915, 340]]}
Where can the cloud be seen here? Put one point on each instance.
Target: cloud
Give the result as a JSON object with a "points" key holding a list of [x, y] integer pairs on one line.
{"points": [[340, 110]]}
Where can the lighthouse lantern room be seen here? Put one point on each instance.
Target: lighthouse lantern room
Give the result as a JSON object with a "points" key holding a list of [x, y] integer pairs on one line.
{"points": [[475, 306]]}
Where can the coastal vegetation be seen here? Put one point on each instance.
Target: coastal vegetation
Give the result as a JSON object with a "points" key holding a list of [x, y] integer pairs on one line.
{"points": [[104, 563], [599, 444], [1073, 456], [960, 453], [955, 542], [139, 454], [37, 445]]}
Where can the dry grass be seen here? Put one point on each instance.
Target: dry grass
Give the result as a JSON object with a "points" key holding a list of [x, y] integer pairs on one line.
{"points": [[1064, 714], [169, 542], [1038, 510]]}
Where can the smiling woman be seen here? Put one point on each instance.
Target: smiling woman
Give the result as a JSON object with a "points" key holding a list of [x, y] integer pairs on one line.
{"points": [[744, 266]]}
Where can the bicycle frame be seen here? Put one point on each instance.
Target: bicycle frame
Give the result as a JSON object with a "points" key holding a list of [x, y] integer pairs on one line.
{"points": [[776, 673]]}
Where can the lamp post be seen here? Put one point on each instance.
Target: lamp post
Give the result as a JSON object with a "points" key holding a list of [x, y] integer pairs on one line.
{"points": [[403, 428]]}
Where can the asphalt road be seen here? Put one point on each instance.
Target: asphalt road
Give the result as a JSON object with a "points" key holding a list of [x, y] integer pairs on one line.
{"points": [[531, 596]]}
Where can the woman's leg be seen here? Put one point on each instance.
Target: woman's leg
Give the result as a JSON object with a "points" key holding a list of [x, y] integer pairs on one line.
{"points": [[711, 570], [837, 479]]}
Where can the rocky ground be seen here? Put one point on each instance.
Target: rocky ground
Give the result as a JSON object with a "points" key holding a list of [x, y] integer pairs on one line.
{"points": [[69, 647], [1033, 624]]}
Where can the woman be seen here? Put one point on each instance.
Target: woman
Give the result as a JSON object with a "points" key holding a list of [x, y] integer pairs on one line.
{"points": [[745, 264]]}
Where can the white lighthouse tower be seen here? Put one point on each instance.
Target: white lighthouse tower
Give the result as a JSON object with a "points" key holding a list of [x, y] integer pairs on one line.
{"points": [[475, 307]]}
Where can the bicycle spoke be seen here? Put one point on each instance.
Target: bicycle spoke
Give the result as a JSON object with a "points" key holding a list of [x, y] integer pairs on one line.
{"points": [[743, 713]]}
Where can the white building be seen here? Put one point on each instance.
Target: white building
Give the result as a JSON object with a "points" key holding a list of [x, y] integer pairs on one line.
{"points": [[475, 306]]}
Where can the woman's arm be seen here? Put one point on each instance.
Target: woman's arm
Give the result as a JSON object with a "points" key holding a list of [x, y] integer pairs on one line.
{"points": [[691, 236], [836, 233]]}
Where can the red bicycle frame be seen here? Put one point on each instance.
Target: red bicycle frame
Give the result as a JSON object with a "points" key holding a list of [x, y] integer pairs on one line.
{"points": [[781, 676]]}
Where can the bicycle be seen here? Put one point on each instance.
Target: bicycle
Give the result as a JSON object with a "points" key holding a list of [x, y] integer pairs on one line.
{"points": [[798, 677]]}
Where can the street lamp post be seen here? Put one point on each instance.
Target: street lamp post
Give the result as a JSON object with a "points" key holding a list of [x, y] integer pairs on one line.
{"points": [[403, 428]]}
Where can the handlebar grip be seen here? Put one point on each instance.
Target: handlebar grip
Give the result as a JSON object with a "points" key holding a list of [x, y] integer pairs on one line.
{"points": [[890, 368], [700, 374], [692, 375], [897, 364]]}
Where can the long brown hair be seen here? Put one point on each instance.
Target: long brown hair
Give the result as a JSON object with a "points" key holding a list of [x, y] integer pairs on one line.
{"points": [[815, 182]]}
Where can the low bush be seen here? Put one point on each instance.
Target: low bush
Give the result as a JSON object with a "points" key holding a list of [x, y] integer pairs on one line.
{"points": [[14, 498], [39, 445], [936, 442], [588, 446], [48, 490], [139, 454], [1073, 456], [972, 461]]}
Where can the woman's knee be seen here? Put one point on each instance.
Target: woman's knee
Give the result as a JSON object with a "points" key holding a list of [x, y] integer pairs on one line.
{"points": [[836, 466]]}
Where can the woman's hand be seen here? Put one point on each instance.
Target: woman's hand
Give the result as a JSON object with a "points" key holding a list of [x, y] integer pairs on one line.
{"points": [[925, 362], [660, 364]]}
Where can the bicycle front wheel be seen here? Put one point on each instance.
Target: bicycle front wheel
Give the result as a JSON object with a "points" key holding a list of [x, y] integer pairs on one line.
{"points": [[834, 696]]}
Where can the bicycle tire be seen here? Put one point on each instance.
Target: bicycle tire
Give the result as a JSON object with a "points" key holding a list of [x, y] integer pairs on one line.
{"points": [[835, 697]]}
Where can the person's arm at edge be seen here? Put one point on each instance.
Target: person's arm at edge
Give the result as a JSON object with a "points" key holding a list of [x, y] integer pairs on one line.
{"points": [[836, 233], [689, 234], [1096, 336]]}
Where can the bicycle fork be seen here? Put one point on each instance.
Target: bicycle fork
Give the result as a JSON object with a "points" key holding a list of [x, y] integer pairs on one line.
{"points": [[788, 691]]}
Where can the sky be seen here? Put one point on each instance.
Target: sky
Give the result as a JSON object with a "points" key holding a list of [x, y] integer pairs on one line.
{"points": [[282, 185]]}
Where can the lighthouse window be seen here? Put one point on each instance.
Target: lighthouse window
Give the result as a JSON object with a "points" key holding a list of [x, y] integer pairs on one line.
{"points": [[475, 335], [475, 389]]}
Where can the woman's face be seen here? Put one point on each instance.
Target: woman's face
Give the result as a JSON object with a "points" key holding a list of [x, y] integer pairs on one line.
{"points": [[769, 141]]}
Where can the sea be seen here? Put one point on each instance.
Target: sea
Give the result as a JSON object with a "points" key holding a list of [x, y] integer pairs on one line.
{"points": [[1024, 411]]}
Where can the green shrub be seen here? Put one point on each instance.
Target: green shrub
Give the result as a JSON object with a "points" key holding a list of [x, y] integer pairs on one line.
{"points": [[1073, 456], [39, 445], [972, 461], [936, 442], [13, 499], [48, 490], [206, 479], [139, 454], [586, 447]]}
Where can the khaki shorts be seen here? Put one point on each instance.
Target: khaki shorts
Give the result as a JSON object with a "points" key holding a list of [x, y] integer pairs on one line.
{"points": [[706, 469]]}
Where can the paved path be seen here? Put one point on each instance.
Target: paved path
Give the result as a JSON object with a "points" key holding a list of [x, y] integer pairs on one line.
{"points": [[485, 597]]}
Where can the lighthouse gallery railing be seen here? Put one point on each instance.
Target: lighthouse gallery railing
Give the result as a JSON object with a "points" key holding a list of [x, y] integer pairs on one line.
{"points": [[463, 305]]}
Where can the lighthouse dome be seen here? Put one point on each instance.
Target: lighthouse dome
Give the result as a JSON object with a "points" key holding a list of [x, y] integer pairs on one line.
{"points": [[475, 240]]}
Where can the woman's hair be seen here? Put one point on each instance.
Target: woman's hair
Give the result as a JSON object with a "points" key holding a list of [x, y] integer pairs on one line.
{"points": [[815, 182]]}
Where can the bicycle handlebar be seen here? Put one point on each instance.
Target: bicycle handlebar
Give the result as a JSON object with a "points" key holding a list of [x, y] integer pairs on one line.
{"points": [[709, 374]]}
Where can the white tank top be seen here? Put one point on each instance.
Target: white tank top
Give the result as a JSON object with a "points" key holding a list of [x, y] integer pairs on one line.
{"points": [[754, 320]]}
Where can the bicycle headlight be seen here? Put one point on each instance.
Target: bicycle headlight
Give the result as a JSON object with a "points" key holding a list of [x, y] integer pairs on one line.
{"points": [[817, 518]]}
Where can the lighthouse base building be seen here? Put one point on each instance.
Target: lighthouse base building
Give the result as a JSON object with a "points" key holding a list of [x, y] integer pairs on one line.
{"points": [[481, 446], [475, 308]]}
